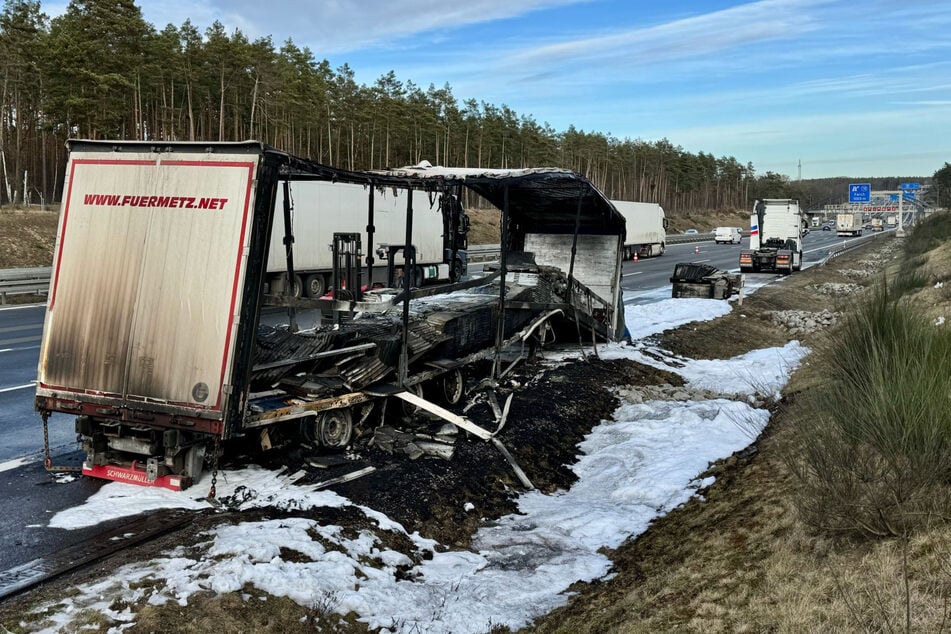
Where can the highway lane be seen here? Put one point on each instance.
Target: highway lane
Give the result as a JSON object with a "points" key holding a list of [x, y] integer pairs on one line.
{"points": [[20, 330], [648, 280]]}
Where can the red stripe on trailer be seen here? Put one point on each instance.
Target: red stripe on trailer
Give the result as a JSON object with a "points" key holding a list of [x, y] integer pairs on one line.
{"points": [[131, 475]]}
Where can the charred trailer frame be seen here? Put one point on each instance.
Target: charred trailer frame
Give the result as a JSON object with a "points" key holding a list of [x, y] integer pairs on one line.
{"points": [[152, 334]]}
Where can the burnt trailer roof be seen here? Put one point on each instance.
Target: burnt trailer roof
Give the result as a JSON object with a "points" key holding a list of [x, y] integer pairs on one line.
{"points": [[540, 200]]}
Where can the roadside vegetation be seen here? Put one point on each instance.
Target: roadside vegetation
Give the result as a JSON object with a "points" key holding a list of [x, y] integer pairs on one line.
{"points": [[838, 518]]}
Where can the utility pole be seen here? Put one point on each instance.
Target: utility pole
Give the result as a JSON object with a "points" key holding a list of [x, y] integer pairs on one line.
{"points": [[800, 170]]}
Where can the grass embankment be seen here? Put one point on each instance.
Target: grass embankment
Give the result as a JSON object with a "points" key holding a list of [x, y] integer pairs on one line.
{"points": [[27, 237], [839, 517]]}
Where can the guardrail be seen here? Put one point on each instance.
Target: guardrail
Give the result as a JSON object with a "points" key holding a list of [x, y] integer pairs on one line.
{"points": [[489, 252], [854, 245], [483, 252], [35, 281], [680, 238]]}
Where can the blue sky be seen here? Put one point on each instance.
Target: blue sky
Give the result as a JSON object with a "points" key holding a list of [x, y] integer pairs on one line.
{"points": [[848, 88]]}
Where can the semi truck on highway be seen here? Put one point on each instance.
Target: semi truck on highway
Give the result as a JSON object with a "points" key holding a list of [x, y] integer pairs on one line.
{"points": [[153, 339], [891, 220], [321, 208], [776, 229], [877, 224], [646, 228], [849, 224]]}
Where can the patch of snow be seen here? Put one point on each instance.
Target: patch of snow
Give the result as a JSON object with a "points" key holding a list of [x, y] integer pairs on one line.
{"points": [[939, 321], [647, 319], [764, 371]]}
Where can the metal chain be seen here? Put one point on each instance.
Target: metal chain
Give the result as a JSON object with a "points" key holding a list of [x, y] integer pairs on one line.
{"points": [[213, 491], [47, 460]]}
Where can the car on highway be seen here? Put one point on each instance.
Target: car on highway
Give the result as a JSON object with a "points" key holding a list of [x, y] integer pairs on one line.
{"points": [[827, 227], [691, 232]]}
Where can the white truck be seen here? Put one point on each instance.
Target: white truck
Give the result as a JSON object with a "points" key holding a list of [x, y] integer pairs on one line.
{"points": [[646, 228], [775, 237], [877, 224], [848, 224], [892, 220], [319, 209]]}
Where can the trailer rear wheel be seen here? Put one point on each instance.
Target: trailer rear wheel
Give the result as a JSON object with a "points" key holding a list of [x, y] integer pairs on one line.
{"points": [[452, 386], [315, 285], [194, 461], [298, 287], [334, 428]]}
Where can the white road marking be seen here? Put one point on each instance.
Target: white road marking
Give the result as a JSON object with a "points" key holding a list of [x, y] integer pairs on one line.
{"points": [[18, 387], [15, 463], [22, 306], [698, 261], [624, 275], [18, 349]]}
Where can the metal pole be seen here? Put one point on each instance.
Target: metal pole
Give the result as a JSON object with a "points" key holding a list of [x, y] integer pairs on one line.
{"points": [[409, 266], [900, 233], [571, 268], [506, 240], [289, 253], [371, 229]]}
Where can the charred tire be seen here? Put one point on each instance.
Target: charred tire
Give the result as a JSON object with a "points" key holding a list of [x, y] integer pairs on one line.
{"points": [[452, 386], [315, 285], [457, 270], [409, 409], [417, 277], [333, 428]]}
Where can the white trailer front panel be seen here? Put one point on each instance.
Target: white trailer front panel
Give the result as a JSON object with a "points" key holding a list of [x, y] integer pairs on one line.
{"points": [[321, 208], [596, 260], [148, 272]]}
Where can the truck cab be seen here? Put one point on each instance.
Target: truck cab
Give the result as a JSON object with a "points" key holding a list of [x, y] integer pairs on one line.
{"points": [[776, 230]]}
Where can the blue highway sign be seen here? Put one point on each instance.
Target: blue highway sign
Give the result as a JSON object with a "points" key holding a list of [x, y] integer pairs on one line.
{"points": [[860, 192], [910, 186]]}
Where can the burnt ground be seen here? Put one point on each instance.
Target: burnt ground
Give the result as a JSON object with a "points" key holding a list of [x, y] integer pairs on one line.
{"points": [[551, 412]]}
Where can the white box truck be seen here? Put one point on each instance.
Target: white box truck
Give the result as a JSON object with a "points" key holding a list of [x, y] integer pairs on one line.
{"points": [[849, 224], [319, 209], [775, 237], [646, 228]]}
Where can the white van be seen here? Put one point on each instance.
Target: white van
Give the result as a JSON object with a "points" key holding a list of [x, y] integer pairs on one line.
{"points": [[727, 234]]}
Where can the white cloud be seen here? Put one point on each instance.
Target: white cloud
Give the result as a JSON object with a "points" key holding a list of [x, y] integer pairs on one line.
{"points": [[336, 26]]}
